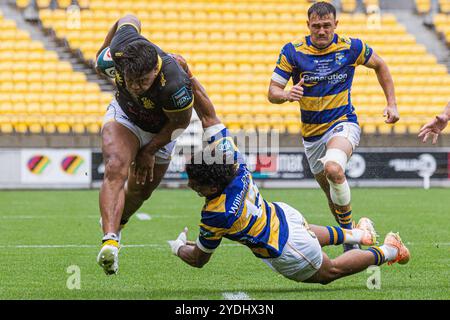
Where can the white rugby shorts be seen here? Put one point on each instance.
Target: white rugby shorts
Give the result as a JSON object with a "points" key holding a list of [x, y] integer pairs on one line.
{"points": [[115, 113], [302, 256], [317, 149]]}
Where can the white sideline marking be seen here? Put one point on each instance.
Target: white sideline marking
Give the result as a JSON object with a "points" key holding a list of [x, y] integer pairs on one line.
{"points": [[236, 296], [160, 216], [143, 216], [55, 246], [25, 217]]}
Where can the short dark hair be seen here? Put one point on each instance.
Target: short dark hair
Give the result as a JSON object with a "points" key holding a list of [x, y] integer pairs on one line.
{"points": [[213, 173], [322, 9], [139, 58]]}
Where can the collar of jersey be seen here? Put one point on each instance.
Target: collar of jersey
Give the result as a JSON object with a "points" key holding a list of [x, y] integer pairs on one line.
{"points": [[159, 63], [309, 42]]}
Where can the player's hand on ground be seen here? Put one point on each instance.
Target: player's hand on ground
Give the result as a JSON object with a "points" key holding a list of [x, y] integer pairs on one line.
{"points": [[143, 167], [296, 92], [433, 128], [180, 241], [391, 114]]}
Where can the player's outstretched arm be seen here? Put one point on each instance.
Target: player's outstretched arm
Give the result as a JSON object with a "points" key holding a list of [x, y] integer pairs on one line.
{"points": [[385, 79], [202, 104], [435, 126], [128, 19], [278, 95], [188, 251]]}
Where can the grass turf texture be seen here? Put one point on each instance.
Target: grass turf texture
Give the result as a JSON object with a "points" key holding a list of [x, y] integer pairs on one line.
{"points": [[33, 218]]}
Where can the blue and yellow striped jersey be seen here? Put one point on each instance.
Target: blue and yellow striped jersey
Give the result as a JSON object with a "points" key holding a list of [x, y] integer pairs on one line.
{"points": [[240, 213], [328, 76]]}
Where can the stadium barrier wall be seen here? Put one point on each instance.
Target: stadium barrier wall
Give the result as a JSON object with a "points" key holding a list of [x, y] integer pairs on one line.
{"points": [[369, 167], [45, 168]]}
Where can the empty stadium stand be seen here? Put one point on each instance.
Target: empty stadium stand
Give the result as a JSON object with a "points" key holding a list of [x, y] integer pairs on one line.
{"points": [[232, 47], [40, 93]]}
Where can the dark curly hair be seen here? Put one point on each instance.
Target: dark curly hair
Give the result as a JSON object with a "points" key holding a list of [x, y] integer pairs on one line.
{"points": [[211, 173], [138, 59]]}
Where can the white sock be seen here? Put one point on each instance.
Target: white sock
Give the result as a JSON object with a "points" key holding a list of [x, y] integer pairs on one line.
{"points": [[212, 131], [390, 252], [353, 236], [110, 236]]}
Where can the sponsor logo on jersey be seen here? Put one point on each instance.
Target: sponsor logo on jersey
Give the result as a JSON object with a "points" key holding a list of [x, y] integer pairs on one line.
{"points": [[346, 40], [340, 58], [312, 79], [182, 98]]}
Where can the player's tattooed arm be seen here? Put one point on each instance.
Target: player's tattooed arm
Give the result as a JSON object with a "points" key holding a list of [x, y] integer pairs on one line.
{"points": [[202, 104], [128, 19], [387, 83]]}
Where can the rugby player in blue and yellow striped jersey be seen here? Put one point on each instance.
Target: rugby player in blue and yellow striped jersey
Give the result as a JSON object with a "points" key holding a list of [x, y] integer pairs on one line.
{"points": [[274, 231], [322, 66]]}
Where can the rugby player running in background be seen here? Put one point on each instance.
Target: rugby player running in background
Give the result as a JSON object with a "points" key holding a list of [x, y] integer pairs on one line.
{"points": [[275, 232], [152, 106], [322, 66], [435, 126]]}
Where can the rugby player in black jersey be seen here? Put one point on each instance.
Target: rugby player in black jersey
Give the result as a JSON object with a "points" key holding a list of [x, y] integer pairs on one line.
{"points": [[151, 108]]}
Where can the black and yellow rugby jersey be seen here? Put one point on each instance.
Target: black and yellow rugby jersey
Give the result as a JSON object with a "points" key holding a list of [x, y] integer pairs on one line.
{"points": [[171, 91]]}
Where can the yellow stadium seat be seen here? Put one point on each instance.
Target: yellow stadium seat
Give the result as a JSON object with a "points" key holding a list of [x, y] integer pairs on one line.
{"points": [[22, 4], [43, 3], [50, 128], [231, 46], [35, 128], [6, 128], [64, 3]]}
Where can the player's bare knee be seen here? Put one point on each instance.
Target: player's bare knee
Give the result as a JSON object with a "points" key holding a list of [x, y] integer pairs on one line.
{"points": [[334, 172], [116, 168]]}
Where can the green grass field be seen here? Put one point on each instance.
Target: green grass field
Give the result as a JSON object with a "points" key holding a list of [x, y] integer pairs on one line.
{"points": [[45, 232]]}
